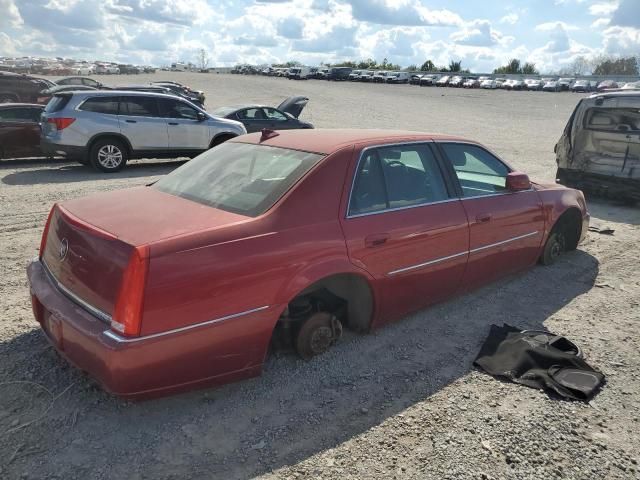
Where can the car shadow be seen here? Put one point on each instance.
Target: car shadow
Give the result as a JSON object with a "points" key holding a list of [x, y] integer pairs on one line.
{"points": [[605, 210], [73, 172], [296, 409]]}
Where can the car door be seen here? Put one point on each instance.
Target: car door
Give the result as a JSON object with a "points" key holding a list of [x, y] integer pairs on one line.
{"points": [[405, 227], [254, 119], [20, 132], [505, 228], [186, 131], [277, 120], [141, 123]]}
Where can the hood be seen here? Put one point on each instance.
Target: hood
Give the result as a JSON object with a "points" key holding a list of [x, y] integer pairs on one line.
{"points": [[145, 215], [294, 105]]}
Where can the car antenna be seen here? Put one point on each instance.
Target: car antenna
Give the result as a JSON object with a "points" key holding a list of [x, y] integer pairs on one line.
{"points": [[267, 133]]}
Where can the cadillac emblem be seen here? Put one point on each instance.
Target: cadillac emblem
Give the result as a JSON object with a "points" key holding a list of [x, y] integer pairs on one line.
{"points": [[64, 249]]}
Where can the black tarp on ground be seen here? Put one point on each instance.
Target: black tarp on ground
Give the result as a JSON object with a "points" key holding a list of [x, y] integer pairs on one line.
{"points": [[538, 360]]}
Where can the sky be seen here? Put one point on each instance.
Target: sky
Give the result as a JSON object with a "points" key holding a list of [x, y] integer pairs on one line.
{"points": [[483, 34]]}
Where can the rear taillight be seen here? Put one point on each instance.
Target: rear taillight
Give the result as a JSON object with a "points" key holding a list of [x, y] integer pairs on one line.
{"points": [[61, 123], [45, 233], [127, 316]]}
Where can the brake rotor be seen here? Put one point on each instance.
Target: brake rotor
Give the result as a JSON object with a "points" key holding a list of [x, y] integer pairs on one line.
{"points": [[317, 334]]}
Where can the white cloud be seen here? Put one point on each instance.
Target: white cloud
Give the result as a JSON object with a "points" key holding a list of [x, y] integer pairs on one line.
{"points": [[554, 26], [511, 18], [622, 41], [10, 16], [401, 12], [600, 9], [479, 33]]}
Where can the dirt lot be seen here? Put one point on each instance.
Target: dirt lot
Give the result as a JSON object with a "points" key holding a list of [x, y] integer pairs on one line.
{"points": [[404, 402]]}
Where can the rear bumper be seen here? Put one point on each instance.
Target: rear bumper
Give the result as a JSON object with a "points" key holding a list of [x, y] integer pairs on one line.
{"points": [[53, 149], [151, 367], [608, 186]]}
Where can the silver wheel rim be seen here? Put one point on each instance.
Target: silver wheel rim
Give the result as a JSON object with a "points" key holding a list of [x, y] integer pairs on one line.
{"points": [[110, 156]]}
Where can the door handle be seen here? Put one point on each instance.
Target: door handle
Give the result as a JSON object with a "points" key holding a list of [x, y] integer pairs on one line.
{"points": [[173, 123], [376, 240], [483, 218], [131, 121]]}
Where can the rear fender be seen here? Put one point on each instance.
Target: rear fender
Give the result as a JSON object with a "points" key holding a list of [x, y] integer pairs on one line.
{"points": [[314, 273]]}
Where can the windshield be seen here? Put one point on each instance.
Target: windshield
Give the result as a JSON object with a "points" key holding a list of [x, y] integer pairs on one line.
{"points": [[238, 177]]}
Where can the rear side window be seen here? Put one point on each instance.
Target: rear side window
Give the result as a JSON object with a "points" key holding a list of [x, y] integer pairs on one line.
{"points": [[397, 177], [57, 103], [621, 120], [108, 105], [478, 172], [139, 106]]}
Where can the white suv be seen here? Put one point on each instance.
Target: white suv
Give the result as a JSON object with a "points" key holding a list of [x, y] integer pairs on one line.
{"points": [[105, 128]]}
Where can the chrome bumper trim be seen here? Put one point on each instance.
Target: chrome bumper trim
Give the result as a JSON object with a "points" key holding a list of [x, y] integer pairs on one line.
{"points": [[75, 298]]}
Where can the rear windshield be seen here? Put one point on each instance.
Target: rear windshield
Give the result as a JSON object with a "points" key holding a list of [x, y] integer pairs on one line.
{"points": [[240, 178], [57, 103]]}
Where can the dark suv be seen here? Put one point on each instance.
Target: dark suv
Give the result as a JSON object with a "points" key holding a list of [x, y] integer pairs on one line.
{"points": [[15, 87]]}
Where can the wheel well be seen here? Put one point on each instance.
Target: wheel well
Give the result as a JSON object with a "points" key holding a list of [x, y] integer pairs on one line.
{"points": [[221, 138], [352, 289], [570, 223], [110, 135]]}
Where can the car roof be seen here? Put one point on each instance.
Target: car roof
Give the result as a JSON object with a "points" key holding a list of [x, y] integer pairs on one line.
{"points": [[329, 140], [16, 105], [106, 93], [235, 108], [617, 93]]}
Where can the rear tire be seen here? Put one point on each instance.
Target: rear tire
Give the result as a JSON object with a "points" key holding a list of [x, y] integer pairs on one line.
{"points": [[220, 139], [108, 155]]}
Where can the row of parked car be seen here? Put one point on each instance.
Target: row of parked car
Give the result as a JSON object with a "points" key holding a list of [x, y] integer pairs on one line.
{"points": [[105, 126], [442, 80]]}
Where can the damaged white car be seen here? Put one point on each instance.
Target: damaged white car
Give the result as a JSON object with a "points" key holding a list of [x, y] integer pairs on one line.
{"points": [[599, 150]]}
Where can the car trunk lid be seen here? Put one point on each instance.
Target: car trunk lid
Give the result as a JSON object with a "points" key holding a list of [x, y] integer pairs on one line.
{"points": [[294, 105], [90, 241]]}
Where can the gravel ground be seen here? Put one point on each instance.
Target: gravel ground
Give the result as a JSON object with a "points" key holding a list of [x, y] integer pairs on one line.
{"points": [[403, 402]]}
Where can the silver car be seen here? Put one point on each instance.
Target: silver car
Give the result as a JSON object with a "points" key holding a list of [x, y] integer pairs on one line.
{"points": [[105, 128]]}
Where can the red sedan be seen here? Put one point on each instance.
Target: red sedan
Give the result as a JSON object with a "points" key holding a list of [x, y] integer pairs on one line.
{"points": [[283, 238]]}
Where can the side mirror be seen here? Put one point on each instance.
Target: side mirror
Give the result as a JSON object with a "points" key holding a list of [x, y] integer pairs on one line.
{"points": [[517, 181], [201, 117]]}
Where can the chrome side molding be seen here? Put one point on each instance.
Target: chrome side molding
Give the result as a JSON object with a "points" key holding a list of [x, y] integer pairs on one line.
{"points": [[120, 339], [466, 252]]}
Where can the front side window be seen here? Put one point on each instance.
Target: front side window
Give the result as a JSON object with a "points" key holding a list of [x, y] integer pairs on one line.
{"points": [[240, 178], [108, 105], [177, 109], [139, 106], [478, 172], [396, 177]]}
